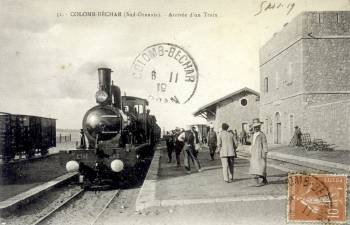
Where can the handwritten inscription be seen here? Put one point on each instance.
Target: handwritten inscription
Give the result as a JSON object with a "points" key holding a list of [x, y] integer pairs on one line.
{"points": [[268, 6]]}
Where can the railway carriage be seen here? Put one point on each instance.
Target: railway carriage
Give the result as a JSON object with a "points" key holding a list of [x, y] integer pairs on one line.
{"points": [[25, 135]]}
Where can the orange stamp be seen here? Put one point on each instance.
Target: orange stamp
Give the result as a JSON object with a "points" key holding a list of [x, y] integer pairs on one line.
{"points": [[317, 198]]}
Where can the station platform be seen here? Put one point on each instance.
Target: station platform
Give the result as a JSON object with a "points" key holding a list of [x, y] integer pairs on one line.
{"points": [[337, 161], [168, 185], [23, 198]]}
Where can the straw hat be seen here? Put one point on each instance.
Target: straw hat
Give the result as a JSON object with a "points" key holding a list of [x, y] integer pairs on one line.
{"points": [[256, 122]]}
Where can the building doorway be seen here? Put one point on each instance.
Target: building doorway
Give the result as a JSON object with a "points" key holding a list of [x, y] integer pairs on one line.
{"points": [[278, 134], [245, 127]]}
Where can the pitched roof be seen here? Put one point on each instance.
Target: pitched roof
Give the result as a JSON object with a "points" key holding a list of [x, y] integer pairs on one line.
{"points": [[212, 104]]}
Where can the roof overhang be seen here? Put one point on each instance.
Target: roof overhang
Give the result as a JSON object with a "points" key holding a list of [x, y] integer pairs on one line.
{"points": [[211, 107]]}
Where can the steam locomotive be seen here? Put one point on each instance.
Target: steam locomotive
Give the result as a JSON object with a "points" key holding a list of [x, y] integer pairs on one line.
{"points": [[120, 134]]}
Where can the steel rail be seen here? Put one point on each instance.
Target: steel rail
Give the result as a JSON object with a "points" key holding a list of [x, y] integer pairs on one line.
{"points": [[116, 193], [42, 219]]}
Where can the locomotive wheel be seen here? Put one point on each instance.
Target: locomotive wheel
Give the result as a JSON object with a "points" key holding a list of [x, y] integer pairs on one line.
{"points": [[30, 153], [44, 152]]}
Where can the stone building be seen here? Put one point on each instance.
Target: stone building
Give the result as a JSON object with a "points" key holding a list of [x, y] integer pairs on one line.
{"points": [[236, 109], [305, 79]]}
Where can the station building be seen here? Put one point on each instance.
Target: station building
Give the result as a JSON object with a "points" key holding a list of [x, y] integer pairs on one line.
{"points": [[305, 79], [237, 109]]}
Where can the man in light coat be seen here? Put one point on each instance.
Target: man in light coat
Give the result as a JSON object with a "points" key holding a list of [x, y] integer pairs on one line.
{"points": [[258, 154], [226, 147]]}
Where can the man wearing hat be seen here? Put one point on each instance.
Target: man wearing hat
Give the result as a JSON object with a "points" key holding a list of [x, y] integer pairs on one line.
{"points": [[212, 141], [189, 149], [258, 154]]}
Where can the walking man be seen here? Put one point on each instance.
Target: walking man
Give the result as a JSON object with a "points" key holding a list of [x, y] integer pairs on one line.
{"points": [[258, 155], [244, 136], [298, 135], [179, 144], [226, 147], [189, 149], [196, 141], [212, 142], [169, 145]]}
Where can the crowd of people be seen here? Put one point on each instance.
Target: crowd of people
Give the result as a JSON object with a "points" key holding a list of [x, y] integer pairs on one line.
{"points": [[223, 143]]}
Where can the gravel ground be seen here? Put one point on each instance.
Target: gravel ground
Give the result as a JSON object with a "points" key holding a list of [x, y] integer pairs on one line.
{"points": [[40, 207], [83, 210], [121, 209]]}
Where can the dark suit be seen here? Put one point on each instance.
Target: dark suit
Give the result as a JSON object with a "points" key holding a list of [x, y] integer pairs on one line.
{"points": [[189, 151]]}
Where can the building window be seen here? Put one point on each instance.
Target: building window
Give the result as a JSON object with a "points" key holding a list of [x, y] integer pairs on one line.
{"points": [[266, 84], [278, 128], [338, 18], [277, 80], [244, 102], [267, 126]]}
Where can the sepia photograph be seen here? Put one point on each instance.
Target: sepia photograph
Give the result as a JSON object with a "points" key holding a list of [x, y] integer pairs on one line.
{"points": [[227, 112]]}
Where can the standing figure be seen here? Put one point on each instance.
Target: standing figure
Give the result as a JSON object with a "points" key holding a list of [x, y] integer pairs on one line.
{"points": [[196, 140], [170, 146], [212, 142], [235, 136], [258, 154], [179, 144], [244, 136], [226, 147], [189, 149], [82, 140], [298, 135]]}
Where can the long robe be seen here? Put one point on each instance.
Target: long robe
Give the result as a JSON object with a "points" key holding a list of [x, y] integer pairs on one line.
{"points": [[258, 155]]}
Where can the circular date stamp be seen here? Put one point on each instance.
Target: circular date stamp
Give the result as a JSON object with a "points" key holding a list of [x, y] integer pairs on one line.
{"points": [[168, 73], [317, 198]]}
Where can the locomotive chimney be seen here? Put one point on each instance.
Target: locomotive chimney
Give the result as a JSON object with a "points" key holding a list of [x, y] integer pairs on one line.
{"points": [[104, 82]]}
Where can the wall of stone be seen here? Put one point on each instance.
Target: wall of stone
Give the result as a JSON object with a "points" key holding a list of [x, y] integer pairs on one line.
{"points": [[291, 114], [330, 122], [234, 114], [316, 98], [326, 23], [326, 64], [314, 23], [288, 35], [284, 73], [308, 67]]}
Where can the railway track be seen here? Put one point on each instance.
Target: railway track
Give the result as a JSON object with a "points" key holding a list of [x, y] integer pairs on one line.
{"points": [[72, 205]]}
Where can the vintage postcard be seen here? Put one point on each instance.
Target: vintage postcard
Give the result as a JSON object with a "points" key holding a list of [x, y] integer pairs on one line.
{"points": [[174, 112]]}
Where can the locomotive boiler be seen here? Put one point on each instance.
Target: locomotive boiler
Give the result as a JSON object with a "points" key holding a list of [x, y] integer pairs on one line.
{"points": [[120, 134]]}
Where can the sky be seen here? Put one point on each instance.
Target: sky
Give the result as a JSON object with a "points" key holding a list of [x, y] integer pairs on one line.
{"points": [[49, 57]]}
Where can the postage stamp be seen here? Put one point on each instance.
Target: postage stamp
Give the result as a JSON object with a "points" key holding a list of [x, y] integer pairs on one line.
{"points": [[168, 72], [317, 198]]}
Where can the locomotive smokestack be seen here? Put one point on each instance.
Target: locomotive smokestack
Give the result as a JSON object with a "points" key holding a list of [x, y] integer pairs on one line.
{"points": [[104, 83]]}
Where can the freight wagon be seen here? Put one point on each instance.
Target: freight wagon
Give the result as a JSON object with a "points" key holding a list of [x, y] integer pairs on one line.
{"points": [[25, 135]]}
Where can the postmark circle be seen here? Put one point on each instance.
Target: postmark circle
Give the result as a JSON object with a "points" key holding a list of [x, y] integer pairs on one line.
{"points": [[168, 73]]}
